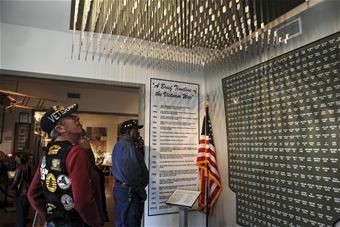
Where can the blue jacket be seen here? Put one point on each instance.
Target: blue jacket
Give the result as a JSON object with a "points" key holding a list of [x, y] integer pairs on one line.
{"points": [[128, 166]]}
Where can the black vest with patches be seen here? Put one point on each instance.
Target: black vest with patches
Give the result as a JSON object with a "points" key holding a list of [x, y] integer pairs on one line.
{"points": [[56, 184]]}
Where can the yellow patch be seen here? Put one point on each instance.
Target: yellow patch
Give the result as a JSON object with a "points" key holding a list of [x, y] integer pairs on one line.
{"points": [[51, 182], [54, 149]]}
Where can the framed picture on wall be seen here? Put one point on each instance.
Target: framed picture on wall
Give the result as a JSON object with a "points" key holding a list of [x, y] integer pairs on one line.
{"points": [[98, 139], [21, 137], [24, 117]]}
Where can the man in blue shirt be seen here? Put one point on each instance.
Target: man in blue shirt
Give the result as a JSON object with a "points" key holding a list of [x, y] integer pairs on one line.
{"points": [[132, 176]]}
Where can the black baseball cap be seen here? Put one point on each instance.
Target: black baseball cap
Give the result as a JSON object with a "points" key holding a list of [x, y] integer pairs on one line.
{"points": [[130, 124], [50, 119]]}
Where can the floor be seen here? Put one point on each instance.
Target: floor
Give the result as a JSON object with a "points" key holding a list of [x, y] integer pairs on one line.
{"points": [[8, 217]]}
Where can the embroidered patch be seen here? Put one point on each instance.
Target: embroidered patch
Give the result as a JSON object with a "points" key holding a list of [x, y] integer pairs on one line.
{"points": [[67, 201], [43, 173], [43, 162], [51, 182], [63, 182], [43, 170], [50, 207], [56, 164], [54, 149]]}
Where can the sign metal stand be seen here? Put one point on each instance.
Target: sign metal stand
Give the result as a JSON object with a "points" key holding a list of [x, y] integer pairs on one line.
{"points": [[184, 199]]}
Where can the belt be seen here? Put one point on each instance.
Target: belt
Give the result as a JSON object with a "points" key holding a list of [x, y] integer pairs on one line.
{"points": [[124, 185], [132, 194]]}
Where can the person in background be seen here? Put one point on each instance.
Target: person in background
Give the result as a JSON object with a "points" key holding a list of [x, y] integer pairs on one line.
{"points": [[97, 177], [22, 179], [132, 176], [3, 166], [61, 189]]}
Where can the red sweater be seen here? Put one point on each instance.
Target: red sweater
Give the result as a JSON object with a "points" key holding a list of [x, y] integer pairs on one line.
{"points": [[77, 166]]}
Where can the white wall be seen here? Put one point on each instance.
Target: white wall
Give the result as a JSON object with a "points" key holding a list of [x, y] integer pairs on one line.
{"points": [[1, 15], [45, 53], [319, 22], [29, 51], [0, 44]]}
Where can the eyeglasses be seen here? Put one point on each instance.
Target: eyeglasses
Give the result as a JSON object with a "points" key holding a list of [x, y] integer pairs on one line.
{"points": [[73, 117]]}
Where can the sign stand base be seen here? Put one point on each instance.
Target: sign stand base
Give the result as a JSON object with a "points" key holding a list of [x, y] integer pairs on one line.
{"points": [[183, 217]]}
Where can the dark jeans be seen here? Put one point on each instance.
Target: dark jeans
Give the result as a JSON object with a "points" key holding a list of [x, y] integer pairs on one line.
{"points": [[129, 207], [51, 224], [64, 223], [21, 205]]}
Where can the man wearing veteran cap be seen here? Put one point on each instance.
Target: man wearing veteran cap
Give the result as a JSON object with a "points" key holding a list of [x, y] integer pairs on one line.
{"points": [[61, 187], [132, 176]]}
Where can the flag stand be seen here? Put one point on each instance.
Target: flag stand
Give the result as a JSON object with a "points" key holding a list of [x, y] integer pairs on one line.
{"points": [[207, 169], [207, 210], [210, 184]]}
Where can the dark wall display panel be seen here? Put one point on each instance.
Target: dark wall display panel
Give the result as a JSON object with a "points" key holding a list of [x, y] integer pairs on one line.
{"points": [[283, 137], [21, 137]]}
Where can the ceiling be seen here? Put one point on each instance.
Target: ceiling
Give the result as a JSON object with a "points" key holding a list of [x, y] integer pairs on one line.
{"points": [[56, 14], [214, 24], [180, 34]]}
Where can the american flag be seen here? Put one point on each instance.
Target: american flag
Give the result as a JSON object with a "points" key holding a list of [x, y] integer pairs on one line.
{"points": [[206, 161]]}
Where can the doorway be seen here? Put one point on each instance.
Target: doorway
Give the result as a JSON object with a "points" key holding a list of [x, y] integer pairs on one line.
{"points": [[103, 105]]}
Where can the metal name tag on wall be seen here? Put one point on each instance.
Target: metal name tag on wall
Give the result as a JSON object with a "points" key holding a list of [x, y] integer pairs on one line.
{"points": [[283, 138]]}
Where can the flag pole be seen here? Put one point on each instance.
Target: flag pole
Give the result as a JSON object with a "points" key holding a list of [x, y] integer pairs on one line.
{"points": [[207, 167]]}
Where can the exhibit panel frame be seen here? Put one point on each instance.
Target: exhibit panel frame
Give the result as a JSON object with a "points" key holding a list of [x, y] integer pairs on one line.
{"points": [[283, 136], [174, 136]]}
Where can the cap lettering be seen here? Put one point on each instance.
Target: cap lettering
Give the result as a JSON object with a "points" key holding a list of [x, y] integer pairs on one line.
{"points": [[67, 109], [60, 111], [51, 118], [54, 116]]}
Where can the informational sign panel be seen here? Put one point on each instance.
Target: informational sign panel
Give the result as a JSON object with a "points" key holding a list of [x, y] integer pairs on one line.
{"points": [[283, 138], [174, 135], [183, 197]]}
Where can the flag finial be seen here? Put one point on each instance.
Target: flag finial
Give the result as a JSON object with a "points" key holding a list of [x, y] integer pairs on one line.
{"points": [[206, 100]]}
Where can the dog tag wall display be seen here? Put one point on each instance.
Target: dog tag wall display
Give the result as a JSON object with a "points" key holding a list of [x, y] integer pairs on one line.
{"points": [[283, 137]]}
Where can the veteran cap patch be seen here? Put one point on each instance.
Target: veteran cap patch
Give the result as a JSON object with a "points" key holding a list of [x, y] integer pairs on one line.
{"points": [[50, 119]]}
